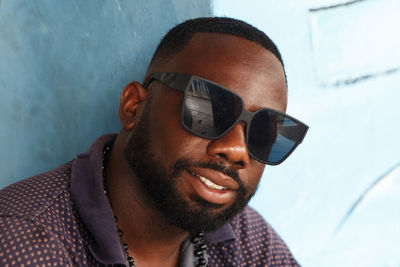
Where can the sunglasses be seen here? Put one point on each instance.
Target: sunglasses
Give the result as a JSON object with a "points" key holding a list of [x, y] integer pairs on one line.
{"points": [[210, 110]]}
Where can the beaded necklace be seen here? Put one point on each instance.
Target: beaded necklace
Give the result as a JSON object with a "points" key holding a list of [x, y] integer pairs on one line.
{"points": [[197, 239]]}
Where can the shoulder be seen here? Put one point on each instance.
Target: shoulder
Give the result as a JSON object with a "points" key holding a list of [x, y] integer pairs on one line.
{"points": [[26, 242], [250, 225], [38, 222], [30, 197], [256, 244]]}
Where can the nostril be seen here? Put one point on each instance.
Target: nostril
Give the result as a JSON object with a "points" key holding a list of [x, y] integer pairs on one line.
{"points": [[222, 155], [240, 163]]}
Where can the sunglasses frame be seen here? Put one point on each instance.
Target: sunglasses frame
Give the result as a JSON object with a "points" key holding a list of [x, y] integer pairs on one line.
{"points": [[182, 81]]}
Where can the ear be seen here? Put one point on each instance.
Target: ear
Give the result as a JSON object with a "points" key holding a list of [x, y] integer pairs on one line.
{"points": [[131, 99]]}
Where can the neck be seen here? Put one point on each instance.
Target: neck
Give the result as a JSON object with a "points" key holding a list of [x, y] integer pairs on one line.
{"points": [[152, 240]]}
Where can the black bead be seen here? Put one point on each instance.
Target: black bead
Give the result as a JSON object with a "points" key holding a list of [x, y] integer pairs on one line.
{"points": [[201, 234], [120, 232], [125, 246], [195, 239], [202, 246], [201, 264], [130, 261], [202, 261], [198, 252]]}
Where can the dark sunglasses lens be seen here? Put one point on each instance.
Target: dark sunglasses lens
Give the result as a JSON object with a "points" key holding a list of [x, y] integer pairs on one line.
{"points": [[273, 136], [209, 110]]}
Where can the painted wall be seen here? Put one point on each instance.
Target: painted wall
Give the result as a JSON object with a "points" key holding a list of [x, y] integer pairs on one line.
{"points": [[63, 65], [336, 199]]}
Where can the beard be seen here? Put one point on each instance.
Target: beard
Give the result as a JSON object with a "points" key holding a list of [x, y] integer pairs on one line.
{"points": [[194, 214]]}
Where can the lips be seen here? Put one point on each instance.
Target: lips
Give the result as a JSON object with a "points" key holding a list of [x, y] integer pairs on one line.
{"points": [[208, 183], [214, 179], [213, 186]]}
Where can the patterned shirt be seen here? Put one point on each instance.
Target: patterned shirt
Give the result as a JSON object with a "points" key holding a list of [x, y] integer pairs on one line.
{"points": [[63, 218]]}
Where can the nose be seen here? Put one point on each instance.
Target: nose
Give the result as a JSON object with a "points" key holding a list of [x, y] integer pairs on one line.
{"points": [[231, 147]]}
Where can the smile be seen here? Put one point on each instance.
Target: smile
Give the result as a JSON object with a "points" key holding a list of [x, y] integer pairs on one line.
{"points": [[208, 183]]}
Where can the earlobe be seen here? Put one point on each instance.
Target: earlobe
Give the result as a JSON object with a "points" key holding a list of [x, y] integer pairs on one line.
{"points": [[131, 98]]}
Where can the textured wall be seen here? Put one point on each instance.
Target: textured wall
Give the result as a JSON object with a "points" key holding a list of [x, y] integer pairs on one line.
{"points": [[63, 65], [336, 199]]}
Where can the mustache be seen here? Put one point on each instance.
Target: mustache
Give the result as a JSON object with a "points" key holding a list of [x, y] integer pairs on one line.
{"points": [[183, 164]]}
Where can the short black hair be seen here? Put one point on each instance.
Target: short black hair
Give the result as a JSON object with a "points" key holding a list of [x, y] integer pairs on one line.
{"points": [[176, 39]]}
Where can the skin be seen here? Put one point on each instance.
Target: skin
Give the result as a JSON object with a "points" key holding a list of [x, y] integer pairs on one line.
{"points": [[241, 65]]}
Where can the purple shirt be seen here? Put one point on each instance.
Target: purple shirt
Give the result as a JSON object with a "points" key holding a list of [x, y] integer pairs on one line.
{"points": [[63, 218]]}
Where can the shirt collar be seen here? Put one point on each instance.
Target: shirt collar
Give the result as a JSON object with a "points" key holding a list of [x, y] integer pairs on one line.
{"points": [[223, 234], [92, 204], [95, 211]]}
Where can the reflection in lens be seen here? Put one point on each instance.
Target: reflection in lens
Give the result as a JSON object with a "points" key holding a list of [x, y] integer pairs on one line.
{"points": [[198, 113], [273, 136], [262, 134], [210, 110]]}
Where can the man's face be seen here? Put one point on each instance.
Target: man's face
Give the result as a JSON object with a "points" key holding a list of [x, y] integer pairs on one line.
{"points": [[198, 183]]}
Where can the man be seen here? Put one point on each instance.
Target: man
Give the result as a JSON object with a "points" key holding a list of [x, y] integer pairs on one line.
{"points": [[171, 189]]}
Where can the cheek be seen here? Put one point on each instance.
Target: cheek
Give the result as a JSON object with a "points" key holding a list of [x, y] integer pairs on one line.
{"points": [[254, 174], [169, 141]]}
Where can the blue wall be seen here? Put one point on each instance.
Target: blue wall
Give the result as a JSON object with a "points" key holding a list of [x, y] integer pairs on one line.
{"points": [[63, 65], [336, 199]]}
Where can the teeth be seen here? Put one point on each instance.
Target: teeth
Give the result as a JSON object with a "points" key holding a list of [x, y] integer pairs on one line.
{"points": [[209, 183]]}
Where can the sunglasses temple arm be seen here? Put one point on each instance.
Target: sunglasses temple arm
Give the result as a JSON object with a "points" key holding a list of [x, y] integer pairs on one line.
{"points": [[177, 81]]}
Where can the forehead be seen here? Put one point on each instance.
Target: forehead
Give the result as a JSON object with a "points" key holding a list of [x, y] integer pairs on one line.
{"points": [[243, 66]]}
